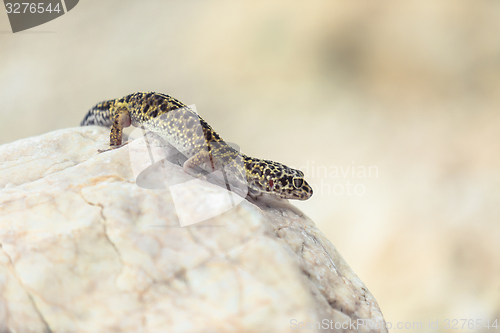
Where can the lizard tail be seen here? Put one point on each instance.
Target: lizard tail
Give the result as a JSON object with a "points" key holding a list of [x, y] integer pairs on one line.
{"points": [[99, 115]]}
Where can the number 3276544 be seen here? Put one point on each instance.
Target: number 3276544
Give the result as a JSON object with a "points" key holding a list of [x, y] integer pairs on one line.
{"points": [[32, 8]]}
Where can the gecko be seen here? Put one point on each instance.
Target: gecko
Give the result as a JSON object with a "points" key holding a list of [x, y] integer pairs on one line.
{"points": [[187, 132]]}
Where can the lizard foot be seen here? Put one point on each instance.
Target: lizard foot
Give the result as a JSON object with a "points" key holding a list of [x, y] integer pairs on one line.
{"points": [[100, 151]]}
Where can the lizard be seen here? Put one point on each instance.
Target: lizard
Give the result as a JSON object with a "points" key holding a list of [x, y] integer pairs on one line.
{"points": [[187, 132]]}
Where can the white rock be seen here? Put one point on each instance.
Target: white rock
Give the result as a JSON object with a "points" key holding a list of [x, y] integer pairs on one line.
{"points": [[84, 249]]}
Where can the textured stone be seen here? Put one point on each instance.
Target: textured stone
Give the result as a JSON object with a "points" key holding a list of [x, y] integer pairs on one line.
{"points": [[84, 249]]}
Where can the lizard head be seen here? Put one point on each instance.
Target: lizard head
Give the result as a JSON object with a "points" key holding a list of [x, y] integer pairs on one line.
{"points": [[275, 178]]}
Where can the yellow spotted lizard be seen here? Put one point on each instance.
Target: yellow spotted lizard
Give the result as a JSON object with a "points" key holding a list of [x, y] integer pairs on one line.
{"points": [[181, 127]]}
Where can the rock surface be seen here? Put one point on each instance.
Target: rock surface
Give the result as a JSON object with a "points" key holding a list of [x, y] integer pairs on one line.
{"points": [[84, 249]]}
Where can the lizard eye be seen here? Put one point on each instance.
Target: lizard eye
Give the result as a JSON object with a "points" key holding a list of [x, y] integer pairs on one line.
{"points": [[298, 182]]}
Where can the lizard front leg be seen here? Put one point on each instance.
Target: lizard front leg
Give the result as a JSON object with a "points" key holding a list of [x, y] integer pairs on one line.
{"points": [[203, 157]]}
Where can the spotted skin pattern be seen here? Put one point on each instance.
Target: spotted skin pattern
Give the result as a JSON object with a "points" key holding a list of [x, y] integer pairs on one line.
{"points": [[184, 129]]}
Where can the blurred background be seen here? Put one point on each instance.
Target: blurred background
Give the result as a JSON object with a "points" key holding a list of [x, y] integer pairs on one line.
{"points": [[390, 107]]}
